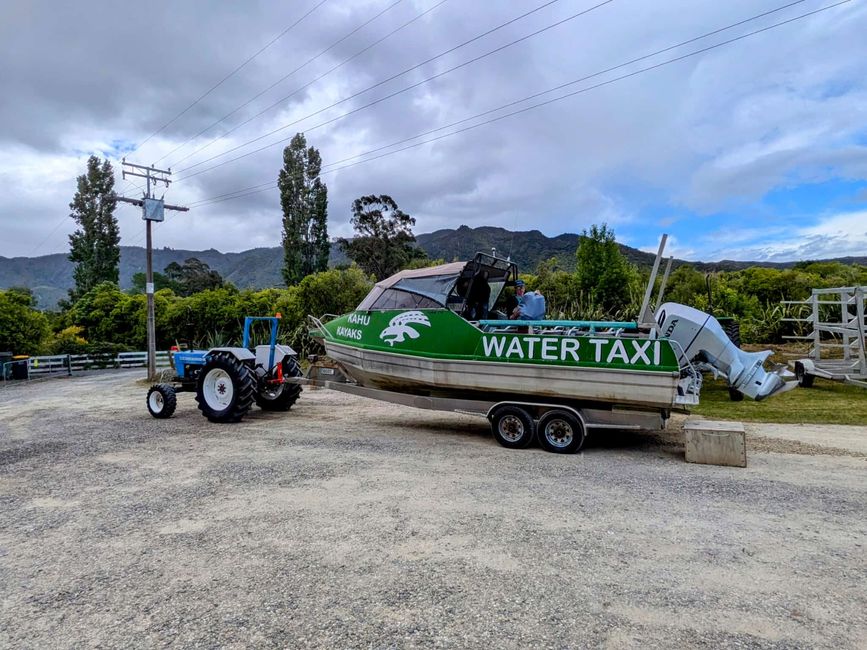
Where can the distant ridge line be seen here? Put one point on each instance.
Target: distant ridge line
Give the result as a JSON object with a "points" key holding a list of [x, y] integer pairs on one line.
{"points": [[51, 275]]}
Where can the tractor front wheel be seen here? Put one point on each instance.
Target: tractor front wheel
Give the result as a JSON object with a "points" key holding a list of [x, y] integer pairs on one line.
{"points": [[162, 401], [281, 397], [225, 389]]}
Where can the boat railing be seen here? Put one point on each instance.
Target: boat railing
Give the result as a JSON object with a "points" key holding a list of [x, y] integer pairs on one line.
{"points": [[318, 325], [558, 327]]}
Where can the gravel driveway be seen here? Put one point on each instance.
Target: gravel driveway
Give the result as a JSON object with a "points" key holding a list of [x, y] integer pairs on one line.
{"points": [[352, 523]]}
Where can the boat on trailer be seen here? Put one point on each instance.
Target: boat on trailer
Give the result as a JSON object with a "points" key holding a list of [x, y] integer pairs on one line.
{"points": [[416, 340]]}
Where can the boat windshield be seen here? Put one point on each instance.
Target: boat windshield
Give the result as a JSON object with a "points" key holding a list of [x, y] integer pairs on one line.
{"points": [[487, 269], [446, 285], [436, 287]]}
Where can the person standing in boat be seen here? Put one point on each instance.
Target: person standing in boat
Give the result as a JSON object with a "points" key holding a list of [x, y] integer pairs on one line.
{"points": [[478, 297], [531, 304]]}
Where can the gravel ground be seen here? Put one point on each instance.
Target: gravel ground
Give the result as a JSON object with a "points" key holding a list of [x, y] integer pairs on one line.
{"points": [[352, 523]]}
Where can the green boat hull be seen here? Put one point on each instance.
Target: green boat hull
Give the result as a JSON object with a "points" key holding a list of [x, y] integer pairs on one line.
{"points": [[435, 352]]}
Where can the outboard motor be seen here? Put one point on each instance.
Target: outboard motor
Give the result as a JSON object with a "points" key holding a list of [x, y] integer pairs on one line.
{"points": [[700, 337]]}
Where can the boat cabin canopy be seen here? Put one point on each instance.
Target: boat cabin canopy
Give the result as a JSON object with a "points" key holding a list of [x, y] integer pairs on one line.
{"points": [[444, 286]]}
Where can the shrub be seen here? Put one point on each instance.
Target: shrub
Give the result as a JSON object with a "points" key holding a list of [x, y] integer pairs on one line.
{"points": [[68, 341], [23, 330]]}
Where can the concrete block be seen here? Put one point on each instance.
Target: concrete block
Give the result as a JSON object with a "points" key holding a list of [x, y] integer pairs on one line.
{"points": [[715, 443]]}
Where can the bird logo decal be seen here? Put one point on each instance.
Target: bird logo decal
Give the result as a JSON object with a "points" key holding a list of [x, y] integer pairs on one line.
{"points": [[399, 327]]}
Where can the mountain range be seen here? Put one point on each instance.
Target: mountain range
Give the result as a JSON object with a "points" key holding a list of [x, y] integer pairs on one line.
{"points": [[50, 276]]}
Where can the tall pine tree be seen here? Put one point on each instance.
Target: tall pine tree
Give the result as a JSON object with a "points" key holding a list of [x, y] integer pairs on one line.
{"points": [[304, 199], [94, 247]]}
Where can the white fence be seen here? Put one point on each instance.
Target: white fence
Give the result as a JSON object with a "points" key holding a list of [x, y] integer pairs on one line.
{"points": [[69, 363]]}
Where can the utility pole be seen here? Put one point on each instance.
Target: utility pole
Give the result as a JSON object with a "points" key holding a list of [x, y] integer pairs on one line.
{"points": [[153, 209]]}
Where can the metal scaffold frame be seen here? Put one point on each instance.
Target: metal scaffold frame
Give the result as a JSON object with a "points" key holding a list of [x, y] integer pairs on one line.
{"points": [[838, 349]]}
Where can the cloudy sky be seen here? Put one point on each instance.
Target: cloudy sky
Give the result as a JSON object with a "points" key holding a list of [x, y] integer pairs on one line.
{"points": [[756, 149]]}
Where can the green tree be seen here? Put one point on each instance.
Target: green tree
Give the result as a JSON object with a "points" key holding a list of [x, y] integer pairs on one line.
{"points": [[95, 312], [559, 287], [139, 280], [687, 286], [23, 330], [304, 199], [332, 292], [191, 277], [94, 247], [603, 273], [216, 313], [384, 244]]}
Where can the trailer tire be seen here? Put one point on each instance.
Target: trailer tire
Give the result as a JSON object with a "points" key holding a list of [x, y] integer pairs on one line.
{"points": [[162, 401], [285, 395], [805, 380], [225, 389], [513, 427], [560, 432]]}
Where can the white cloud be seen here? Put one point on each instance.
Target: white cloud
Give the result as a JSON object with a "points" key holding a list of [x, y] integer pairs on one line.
{"points": [[774, 111], [839, 235]]}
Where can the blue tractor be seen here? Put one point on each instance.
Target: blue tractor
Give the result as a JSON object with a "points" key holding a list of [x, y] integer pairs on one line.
{"points": [[228, 380]]}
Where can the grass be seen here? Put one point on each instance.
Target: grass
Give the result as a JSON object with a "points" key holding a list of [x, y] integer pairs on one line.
{"points": [[825, 403]]}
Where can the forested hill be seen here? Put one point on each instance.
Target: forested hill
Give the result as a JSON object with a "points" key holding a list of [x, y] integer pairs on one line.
{"points": [[526, 248], [51, 275]]}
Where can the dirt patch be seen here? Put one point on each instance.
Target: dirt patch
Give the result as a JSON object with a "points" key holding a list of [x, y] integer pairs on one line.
{"points": [[351, 523]]}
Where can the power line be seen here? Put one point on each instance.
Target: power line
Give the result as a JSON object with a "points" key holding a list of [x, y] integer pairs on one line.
{"points": [[276, 83], [63, 220], [228, 76], [48, 236], [598, 85], [382, 99], [266, 185], [568, 83], [313, 81], [255, 189]]}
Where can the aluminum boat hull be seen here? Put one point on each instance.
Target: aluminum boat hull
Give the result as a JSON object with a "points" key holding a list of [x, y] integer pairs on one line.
{"points": [[475, 379]]}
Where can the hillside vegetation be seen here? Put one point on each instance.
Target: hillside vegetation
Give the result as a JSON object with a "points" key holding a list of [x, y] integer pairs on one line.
{"points": [[50, 276], [194, 306]]}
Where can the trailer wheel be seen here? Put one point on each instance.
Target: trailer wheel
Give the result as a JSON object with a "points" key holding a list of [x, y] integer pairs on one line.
{"points": [[561, 432], [281, 397], [804, 380], [225, 389], [513, 427], [162, 401]]}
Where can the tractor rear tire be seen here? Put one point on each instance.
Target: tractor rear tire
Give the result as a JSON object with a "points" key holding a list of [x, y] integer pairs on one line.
{"points": [[732, 328], [225, 389], [282, 396], [162, 401]]}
